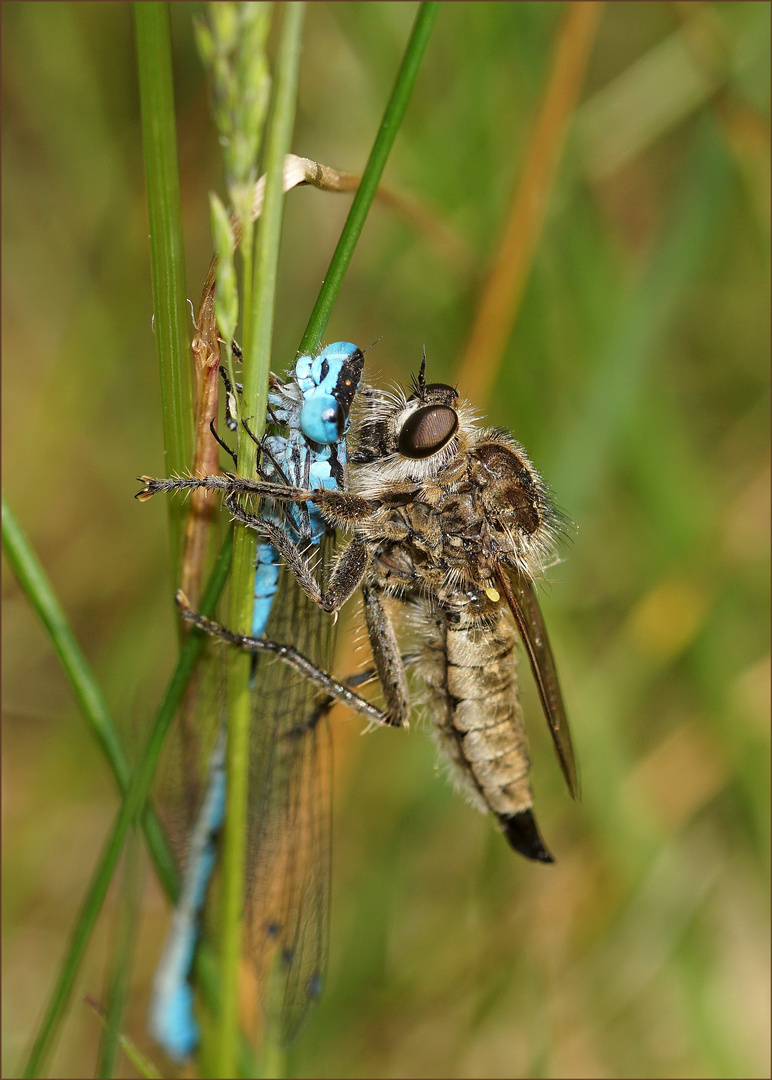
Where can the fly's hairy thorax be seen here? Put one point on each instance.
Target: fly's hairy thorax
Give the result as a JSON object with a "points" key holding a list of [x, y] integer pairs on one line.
{"points": [[445, 533]]}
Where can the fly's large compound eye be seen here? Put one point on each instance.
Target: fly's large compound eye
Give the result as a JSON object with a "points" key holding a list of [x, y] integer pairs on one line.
{"points": [[427, 430]]}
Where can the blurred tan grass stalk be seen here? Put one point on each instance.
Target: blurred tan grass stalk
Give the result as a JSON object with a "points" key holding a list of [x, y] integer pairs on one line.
{"points": [[503, 290]]}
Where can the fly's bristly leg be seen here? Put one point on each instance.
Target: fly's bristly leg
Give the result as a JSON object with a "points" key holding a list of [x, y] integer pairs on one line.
{"points": [[346, 574], [341, 507], [294, 659], [387, 656], [228, 484]]}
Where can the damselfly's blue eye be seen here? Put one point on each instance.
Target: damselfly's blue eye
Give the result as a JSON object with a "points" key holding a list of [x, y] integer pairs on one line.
{"points": [[427, 430], [322, 420], [328, 382]]}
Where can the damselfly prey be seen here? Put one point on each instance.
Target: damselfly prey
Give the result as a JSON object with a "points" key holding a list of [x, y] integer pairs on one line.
{"points": [[289, 828]]}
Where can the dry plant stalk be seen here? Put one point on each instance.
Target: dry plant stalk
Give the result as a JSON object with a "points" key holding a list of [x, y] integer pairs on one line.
{"points": [[503, 290]]}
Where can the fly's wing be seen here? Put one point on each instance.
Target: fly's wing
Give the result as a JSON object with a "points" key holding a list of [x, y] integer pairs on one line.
{"points": [[289, 830], [521, 597]]}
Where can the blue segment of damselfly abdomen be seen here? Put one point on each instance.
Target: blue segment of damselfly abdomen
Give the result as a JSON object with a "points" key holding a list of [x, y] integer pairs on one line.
{"points": [[288, 833]]}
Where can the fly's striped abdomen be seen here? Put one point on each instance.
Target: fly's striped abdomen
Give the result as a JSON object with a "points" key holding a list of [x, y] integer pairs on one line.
{"points": [[469, 664]]}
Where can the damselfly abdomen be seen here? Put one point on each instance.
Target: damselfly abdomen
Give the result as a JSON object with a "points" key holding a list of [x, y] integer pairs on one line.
{"points": [[288, 831]]}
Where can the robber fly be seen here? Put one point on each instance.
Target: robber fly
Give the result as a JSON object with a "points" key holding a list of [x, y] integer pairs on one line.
{"points": [[450, 526]]}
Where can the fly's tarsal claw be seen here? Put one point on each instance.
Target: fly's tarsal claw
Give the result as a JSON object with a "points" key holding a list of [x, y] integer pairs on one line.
{"points": [[182, 601], [148, 491], [523, 835]]}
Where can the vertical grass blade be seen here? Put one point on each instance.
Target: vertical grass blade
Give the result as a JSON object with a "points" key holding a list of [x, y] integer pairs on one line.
{"points": [[151, 20], [259, 308]]}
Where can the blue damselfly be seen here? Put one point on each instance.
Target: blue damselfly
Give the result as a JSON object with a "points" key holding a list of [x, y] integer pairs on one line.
{"points": [[288, 832]]}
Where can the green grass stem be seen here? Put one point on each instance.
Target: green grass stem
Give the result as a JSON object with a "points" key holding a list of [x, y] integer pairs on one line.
{"points": [[154, 64], [260, 292]]}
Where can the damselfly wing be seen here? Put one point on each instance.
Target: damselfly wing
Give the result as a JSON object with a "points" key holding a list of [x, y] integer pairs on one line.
{"points": [[288, 834]]}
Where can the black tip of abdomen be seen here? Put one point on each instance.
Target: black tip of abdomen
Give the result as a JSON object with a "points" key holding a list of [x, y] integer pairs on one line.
{"points": [[522, 833]]}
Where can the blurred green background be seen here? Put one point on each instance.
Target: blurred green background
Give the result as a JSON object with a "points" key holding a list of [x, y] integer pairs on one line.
{"points": [[637, 377]]}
